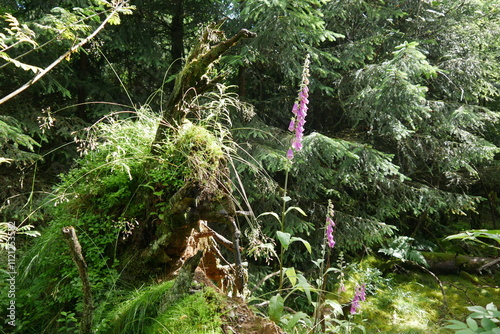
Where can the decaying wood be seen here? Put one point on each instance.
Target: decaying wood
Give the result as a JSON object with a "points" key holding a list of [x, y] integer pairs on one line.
{"points": [[195, 202], [191, 80], [447, 263], [75, 248], [183, 281]]}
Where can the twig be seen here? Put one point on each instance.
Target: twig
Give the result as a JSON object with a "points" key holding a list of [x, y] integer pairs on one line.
{"points": [[445, 302], [61, 58], [263, 280], [489, 264]]}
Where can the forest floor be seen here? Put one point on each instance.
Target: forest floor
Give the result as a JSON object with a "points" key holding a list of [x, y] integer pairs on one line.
{"points": [[409, 303]]}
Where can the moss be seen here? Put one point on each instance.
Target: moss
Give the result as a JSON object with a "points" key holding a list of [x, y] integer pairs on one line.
{"points": [[194, 313], [413, 303]]}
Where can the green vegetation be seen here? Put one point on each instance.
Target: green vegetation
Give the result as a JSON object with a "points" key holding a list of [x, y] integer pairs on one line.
{"points": [[156, 132]]}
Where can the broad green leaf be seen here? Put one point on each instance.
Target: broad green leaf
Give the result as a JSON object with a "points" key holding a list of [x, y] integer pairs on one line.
{"points": [[472, 324], [293, 321], [465, 331], [335, 306], [478, 311], [318, 262], [306, 243], [456, 325], [275, 309], [332, 269], [303, 285], [284, 238], [491, 307], [488, 324], [292, 275]]}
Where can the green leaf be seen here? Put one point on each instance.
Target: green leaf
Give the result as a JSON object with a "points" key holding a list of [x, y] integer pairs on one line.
{"points": [[472, 324], [292, 275], [296, 208], [488, 324], [274, 214], [456, 325], [32, 233], [284, 239], [335, 306], [491, 307], [275, 308], [293, 321], [306, 243], [465, 331], [303, 285]]}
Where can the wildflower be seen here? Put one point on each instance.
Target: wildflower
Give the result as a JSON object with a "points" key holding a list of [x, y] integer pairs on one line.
{"points": [[359, 295], [299, 110], [329, 233], [330, 224]]}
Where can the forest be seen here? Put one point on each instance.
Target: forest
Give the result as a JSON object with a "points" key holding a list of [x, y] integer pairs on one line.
{"points": [[249, 166]]}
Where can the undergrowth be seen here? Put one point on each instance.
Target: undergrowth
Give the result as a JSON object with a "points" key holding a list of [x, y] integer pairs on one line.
{"points": [[144, 311], [116, 188], [412, 303]]}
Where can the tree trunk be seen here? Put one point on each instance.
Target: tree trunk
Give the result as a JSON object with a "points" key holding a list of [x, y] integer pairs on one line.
{"points": [[192, 80], [177, 36]]}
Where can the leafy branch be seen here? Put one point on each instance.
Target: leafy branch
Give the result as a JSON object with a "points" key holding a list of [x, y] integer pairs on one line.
{"points": [[121, 7]]}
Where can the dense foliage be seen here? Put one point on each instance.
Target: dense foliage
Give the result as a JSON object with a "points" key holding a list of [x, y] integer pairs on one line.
{"points": [[401, 137]]}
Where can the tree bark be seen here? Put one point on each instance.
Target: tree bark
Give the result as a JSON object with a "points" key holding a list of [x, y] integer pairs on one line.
{"points": [[177, 36], [191, 80], [71, 239]]}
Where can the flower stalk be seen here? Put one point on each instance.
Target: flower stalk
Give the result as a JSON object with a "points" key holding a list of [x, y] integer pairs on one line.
{"points": [[296, 125]]}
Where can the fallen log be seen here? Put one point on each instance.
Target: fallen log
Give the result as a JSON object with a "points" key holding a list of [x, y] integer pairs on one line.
{"points": [[449, 263]]}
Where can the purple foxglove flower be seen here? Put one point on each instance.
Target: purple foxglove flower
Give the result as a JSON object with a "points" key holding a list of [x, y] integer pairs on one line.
{"points": [[329, 236], [296, 145], [362, 292], [359, 294], [329, 232], [303, 99], [303, 107], [299, 109], [301, 115], [354, 305], [305, 90]]}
